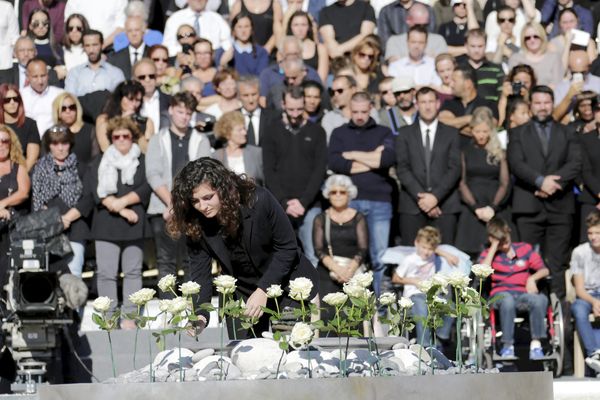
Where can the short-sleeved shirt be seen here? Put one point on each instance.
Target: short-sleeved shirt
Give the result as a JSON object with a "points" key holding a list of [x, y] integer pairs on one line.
{"points": [[586, 262], [179, 151], [511, 274], [346, 20], [456, 107], [413, 266], [490, 78], [27, 133]]}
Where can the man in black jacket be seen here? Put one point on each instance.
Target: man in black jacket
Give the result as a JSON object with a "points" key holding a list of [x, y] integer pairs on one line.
{"points": [[295, 160], [428, 164], [126, 58], [25, 51], [257, 119], [545, 158]]}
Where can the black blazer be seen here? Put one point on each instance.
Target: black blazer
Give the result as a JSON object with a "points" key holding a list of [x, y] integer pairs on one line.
{"points": [[267, 117], [122, 60], [163, 105], [11, 76], [445, 168], [527, 162], [590, 174], [270, 243]]}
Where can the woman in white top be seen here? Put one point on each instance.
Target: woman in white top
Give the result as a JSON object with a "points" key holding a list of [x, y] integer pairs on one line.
{"points": [[75, 26], [225, 83], [9, 33], [525, 12]]}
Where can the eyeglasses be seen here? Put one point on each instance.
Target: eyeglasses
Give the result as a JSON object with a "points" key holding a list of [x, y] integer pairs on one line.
{"points": [[528, 38], [124, 136], [70, 107], [365, 55], [401, 92], [144, 77], [333, 92], [157, 59], [186, 35], [75, 28], [10, 99], [340, 192], [385, 92], [5, 141], [503, 20], [37, 24]]}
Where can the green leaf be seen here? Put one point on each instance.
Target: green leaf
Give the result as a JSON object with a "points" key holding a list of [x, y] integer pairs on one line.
{"points": [[277, 336]]}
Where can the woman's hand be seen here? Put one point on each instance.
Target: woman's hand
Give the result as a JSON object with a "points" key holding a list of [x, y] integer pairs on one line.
{"points": [[485, 213], [66, 222], [130, 215], [4, 214], [255, 303]]}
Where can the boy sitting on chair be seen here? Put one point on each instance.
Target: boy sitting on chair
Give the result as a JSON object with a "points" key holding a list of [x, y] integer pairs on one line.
{"points": [[585, 266], [516, 286]]}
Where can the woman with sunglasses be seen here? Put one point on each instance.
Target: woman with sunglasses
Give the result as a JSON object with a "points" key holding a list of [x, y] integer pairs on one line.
{"points": [[365, 63], [547, 65], [525, 12], [184, 60], [121, 194], [314, 54], [166, 75], [57, 181], [73, 52], [507, 42], [245, 56], [56, 10], [67, 111], [126, 101], [13, 116], [39, 29], [562, 43]]}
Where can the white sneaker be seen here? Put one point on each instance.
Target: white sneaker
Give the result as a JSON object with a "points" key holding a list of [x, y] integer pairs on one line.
{"points": [[593, 361]]}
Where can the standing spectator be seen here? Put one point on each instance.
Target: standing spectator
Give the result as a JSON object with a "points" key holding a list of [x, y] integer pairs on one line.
{"points": [[125, 59], [584, 112], [562, 43], [39, 95], [121, 195], [429, 176], [96, 74], [257, 119], [551, 11], [24, 52], [455, 31], [266, 16], [545, 158], [13, 116], [365, 64], [73, 52], [416, 64], [168, 152], [345, 23], [292, 145], [443, 11], [314, 109], [314, 54], [165, 74], [155, 103], [204, 66], [40, 30], [445, 65], [9, 33], [56, 12], [342, 90], [365, 151], [394, 19], [398, 103], [525, 12], [590, 174], [201, 121], [207, 24], [294, 72], [518, 84], [137, 9], [225, 83], [507, 42], [183, 60], [107, 16]]}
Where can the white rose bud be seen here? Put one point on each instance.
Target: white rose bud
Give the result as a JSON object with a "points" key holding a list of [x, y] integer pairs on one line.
{"points": [[164, 305], [274, 291], [142, 296], [178, 305], [189, 288], [225, 284], [365, 279], [167, 283], [335, 299], [482, 270], [301, 335], [102, 304], [458, 280], [300, 288], [387, 299], [352, 289], [405, 303]]}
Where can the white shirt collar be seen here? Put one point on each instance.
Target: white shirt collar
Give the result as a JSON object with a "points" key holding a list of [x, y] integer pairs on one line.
{"points": [[432, 129]]}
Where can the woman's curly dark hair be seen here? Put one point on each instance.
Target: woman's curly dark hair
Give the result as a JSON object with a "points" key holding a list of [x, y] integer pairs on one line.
{"points": [[233, 191]]}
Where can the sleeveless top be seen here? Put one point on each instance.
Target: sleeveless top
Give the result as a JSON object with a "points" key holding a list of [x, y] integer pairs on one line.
{"points": [[8, 182], [262, 23], [313, 62]]}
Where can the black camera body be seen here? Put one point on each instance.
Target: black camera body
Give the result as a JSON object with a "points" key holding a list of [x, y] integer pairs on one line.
{"points": [[516, 88]]}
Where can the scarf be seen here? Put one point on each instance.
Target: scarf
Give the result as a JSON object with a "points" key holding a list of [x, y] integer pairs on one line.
{"points": [[112, 162], [51, 180]]}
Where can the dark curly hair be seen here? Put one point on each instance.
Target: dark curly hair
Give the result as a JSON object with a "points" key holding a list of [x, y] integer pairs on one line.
{"points": [[233, 191]]}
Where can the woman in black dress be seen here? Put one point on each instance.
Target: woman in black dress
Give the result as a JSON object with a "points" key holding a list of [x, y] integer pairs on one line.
{"points": [[266, 18], [301, 26], [39, 29], [340, 239], [484, 184]]}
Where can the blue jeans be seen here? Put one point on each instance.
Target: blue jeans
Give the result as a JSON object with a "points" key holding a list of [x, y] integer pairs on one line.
{"points": [[419, 313], [509, 302], [581, 310], [77, 259], [379, 216], [305, 235]]}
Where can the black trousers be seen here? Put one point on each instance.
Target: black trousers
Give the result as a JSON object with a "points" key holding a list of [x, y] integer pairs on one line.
{"points": [[551, 232], [411, 223], [168, 251]]}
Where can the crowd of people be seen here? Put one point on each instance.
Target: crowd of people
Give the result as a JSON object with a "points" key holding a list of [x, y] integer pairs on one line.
{"points": [[366, 121]]}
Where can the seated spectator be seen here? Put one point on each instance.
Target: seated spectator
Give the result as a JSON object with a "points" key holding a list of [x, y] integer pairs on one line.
{"points": [[9, 33], [562, 43], [238, 155], [395, 19], [586, 280], [107, 16], [201, 121], [314, 54], [246, 57], [314, 108], [73, 52], [344, 23], [125, 58], [342, 89], [484, 183], [266, 16], [551, 15], [204, 67], [416, 64], [126, 101], [525, 12], [56, 14], [25, 51], [445, 65], [517, 113], [548, 66], [584, 112], [404, 113], [67, 112], [517, 269], [183, 60], [57, 181], [13, 116], [519, 82], [257, 119], [397, 47], [365, 64], [443, 12], [155, 103], [455, 30], [389, 113], [506, 42], [294, 72], [206, 24], [40, 30], [165, 74], [590, 174], [151, 37], [226, 87], [121, 194]]}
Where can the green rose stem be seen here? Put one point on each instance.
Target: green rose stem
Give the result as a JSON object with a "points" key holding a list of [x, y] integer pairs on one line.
{"points": [[137, 331], [222, 312], [112, 357], [403, 323], [425, 327], [279, 364], [180, 363], [339, 334], [458, 329], [431, 349], [477, 325], [150, 346], [303, 310]]}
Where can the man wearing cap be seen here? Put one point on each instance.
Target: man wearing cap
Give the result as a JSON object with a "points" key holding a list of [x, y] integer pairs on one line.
{"points": [[454, 31], [398, 102], [416, 64]]}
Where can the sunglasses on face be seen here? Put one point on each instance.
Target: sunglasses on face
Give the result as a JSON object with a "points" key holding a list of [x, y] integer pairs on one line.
{"points": [[144, 77], [5, 141], [385, 92], [70, 107], [503, 20], [37, 24], [75, 28], [7, 100], [185, 35], [364, 55], [340, 192], [528, 38], [333, 92], [125, 136], [158, 59]]}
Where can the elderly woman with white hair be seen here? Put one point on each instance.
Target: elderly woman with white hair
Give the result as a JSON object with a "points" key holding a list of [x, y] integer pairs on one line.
{"points": [[137, 9], [340, 238]]}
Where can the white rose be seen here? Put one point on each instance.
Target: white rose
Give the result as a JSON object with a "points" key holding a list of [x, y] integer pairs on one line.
{"points": [[167, 283], [365, 279], [178, 305], [301, 335], [102, 304], [335, 299], [387, 299], [458, 280], [425, 285], [440, 279], [189, 288], [352, 289], [440, 300], [300, 288], [225, 284], [164, 305], [482, 270], [274, 291], [142, 296], [405, 303]]}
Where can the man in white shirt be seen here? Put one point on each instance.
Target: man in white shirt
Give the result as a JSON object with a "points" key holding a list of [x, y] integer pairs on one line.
{"points": [[257, 119], [155, 103], [106, 16], [38, 96], [418, 65], [125, 59], [208, 25]]}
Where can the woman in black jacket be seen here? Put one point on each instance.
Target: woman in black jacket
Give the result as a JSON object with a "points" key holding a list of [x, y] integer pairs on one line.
{"points": [[228, 218]]}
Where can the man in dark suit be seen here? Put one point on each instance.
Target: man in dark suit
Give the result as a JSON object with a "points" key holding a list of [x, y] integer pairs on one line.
{"points": [[25, 51], [545, 158], [126, 58], [257, 119], [155, 103], [428, 165]]}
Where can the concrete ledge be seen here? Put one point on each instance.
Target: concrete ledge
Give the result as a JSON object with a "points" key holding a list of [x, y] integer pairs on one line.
{"points": [[505, 386]]}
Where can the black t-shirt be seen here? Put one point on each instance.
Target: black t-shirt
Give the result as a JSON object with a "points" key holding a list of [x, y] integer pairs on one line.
{"points": [[453, 33], [456, 107], [27, 133], [179, 151], [346, 20]]}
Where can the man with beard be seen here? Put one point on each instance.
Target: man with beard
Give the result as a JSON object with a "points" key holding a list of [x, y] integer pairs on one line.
{"points": [[96, 74], [545, 158], [295, 160], [397, 102]]}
